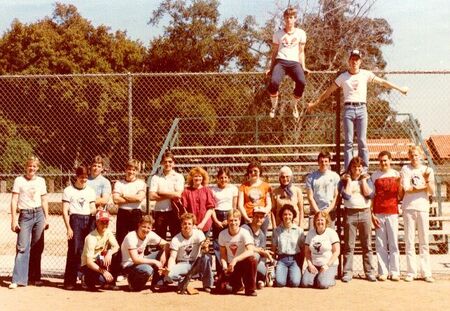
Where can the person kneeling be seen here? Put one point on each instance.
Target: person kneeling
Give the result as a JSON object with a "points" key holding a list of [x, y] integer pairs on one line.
{"points": [[188, 256], [136, 265], [237, 257], [321, 252], [99, 247]]}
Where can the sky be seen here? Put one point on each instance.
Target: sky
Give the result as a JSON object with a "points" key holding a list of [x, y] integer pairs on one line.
{"points": [[421, 33]]}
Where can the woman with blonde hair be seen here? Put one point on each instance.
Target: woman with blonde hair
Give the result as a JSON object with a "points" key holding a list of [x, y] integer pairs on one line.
{"points": [[29, 197], [198, 199]]}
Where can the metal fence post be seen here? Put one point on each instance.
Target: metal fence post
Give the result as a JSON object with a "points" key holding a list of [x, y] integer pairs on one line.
{"points": [[130, 116]]}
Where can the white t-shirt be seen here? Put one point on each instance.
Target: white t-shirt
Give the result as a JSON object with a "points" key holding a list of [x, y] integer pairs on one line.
{"points": [[321, 246], [132, 241], [236, 244], [224, 197], [187, 249], [172, 182], [288, 44], [357, 199], [130, 188], [30, 191], [354, 86], [411, 176], [79, 199]]}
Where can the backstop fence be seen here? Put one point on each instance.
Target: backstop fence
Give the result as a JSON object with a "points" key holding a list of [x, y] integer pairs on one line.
{"points": [[68, 119]]}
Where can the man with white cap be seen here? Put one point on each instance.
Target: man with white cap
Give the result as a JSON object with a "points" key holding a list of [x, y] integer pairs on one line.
{"points": [[321, 188], [287, 193], [262, 254], [354, 86]]}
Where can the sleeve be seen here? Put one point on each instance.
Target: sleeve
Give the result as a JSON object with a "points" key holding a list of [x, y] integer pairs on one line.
{"points": [[107, 188], [309, 181], [302, 36], [248, 239], [221, 238], [405, 178], [112, 241], [200, 235], [344, 195], [370, 76], [43, 186], [235, 191], [185, 198], [210, 201], [154, 183], [89, 244], [334, 238], [174, 245], [65, 196], [339, 80], [92, 195], [263, 240], [16, 185], [129, 242], [179, 186], [371, 187], [142, 185], [275, 38], [118, 187], [153, 238]]}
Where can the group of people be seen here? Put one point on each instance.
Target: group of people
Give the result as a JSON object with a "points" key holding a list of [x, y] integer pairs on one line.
{"points": [[174, 243]]}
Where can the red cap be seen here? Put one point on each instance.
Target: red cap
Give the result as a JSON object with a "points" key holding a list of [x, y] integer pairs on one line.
{"points": [[102, 215]]}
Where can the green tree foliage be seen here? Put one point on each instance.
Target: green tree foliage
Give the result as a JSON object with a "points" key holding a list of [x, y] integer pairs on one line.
{"points": [[67, 43], [195, 40]]}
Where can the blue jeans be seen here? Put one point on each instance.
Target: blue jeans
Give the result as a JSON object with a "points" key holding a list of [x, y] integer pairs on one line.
{"points": [[203, 267], [355, 121], [293, 70], [80, 225], [30, 245], [138, 276], [287, 271], [358, 220], [321, 280], [261, 268]]}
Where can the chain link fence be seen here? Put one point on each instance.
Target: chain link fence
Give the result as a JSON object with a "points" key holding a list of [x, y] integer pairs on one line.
{"points": [[67, 120]]}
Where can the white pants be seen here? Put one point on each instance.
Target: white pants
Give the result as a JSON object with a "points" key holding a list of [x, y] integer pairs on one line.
{"points": [[386, 242], [420, 220]]}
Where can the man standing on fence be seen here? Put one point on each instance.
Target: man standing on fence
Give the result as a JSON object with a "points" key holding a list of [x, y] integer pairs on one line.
{"points": [[321, 188], [354, 85], [288, 57], [165, 187]]}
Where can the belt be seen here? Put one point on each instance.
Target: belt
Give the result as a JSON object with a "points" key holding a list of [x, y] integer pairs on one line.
{"points": [[354, 104], [31, 210]]}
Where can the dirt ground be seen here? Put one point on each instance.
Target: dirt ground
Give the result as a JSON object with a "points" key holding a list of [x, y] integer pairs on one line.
{"points": [[356, 295]]}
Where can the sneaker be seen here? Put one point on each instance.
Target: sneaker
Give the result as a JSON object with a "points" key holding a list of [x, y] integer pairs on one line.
{"points": [[429, 279], [272, 113], [251, 293], [295, 112], [13, 286], [409, 278], [382, 277], [371, 278], [347, 278], [207, 289], [260, 284], [395, 277], [120, 278]]}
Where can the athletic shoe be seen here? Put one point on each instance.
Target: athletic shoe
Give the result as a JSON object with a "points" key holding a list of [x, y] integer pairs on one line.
{"points": [[347, 278], [371, 278], [382, 277], [429, 279], [260, 284], [251, 293], [13, 286], [207, 289], [120, 278], [395, 277], [295, 112], [409, 278], [272, 113]]}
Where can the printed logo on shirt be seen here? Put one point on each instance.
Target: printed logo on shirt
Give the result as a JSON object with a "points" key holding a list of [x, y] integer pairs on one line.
{"points": [[317, 246], [233, 248], [288, 41], [31, 193], [188, 250], [354, 84], [81, 201], [417, 181]]}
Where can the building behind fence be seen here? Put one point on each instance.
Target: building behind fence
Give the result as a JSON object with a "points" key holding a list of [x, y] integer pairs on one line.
{"points": [[66, 120]]}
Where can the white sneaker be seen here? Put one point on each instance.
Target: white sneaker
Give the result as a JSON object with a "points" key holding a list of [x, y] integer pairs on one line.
{"points": [[12, 286], [260, 284], [382, 277], [120, 278], [409, 278], [429, 279], [395, 277], [272, 113]]}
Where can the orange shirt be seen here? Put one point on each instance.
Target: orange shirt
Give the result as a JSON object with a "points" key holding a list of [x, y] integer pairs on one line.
{"points": [[254, 196]]}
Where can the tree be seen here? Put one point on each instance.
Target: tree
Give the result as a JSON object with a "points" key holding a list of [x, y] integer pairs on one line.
{"points": [[196, 41], [67, 43]]}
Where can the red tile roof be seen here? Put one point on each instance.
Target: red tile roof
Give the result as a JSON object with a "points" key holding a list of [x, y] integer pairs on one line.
{"points": [[439, 146], [398, 147]]}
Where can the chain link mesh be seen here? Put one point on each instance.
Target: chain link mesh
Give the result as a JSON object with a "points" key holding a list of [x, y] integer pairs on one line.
{"points": [[66, 120]]}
